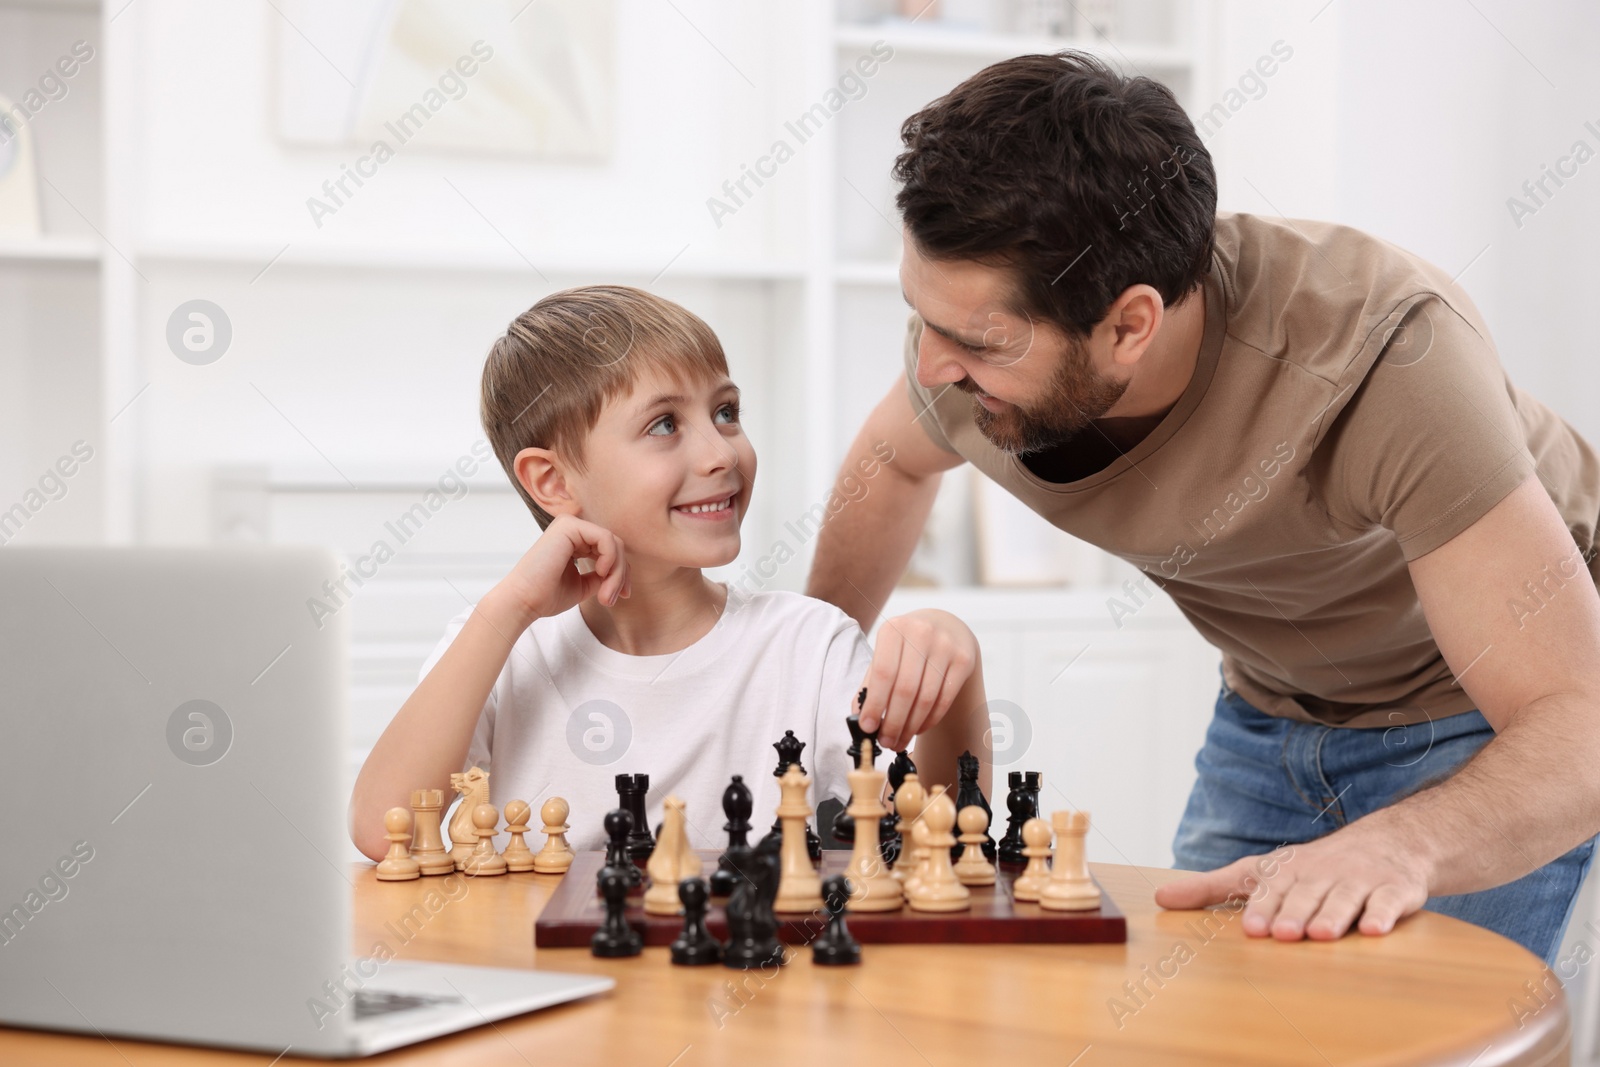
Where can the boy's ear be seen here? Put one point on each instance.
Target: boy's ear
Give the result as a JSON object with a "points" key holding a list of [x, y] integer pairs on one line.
{"points": [[542, 476]]}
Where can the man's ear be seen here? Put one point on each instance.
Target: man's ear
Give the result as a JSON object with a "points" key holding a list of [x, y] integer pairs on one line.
{"points": [[1136, 315], [541, 473]]}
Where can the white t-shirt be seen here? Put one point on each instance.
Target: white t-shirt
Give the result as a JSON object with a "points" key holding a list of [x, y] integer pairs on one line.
{"points": [[568, 714]]}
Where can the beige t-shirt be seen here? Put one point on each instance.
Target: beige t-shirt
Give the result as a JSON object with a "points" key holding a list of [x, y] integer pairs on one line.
{"points": [[1348, 414]]}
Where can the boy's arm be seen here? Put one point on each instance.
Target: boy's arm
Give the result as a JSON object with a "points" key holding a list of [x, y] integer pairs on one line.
{"points": [[429, 735], [427, 739], [964, 728]]}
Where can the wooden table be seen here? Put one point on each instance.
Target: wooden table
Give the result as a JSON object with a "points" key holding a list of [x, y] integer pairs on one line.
{"points": [[1436, 991]]}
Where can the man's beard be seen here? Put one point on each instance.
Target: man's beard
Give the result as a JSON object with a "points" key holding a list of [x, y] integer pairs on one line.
{"points": [[1073, 398]]}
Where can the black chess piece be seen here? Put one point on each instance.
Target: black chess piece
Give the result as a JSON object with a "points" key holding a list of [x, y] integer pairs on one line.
{"points": [[789, 748], [898, 769], [695, 947], [737, 803], [770, 867], [752, 925], [970, 794], [615, 938], [619, 824], [835, 947], [1010, 849], [1032, 783], [631, 790], [844, 825], [889, 842]]}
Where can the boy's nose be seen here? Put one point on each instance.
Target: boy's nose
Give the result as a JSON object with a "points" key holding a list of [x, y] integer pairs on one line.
{"points": [[711, 451]]}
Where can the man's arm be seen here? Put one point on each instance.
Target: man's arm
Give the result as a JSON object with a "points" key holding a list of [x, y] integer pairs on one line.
{"points": [[862, 549], [1527, 797]]}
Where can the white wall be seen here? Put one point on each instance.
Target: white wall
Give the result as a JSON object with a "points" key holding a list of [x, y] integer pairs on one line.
{"points": [[1416, 122]]}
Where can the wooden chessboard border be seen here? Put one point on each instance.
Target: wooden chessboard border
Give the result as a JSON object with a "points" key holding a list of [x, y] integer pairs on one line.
{"points": [[575, 910]]}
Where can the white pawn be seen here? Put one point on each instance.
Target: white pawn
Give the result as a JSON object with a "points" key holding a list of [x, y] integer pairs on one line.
{"points": [[518, 856], [556, 855], [1070, 888], [908, 804], [484, 860], [937, 888], [972, 868], [398, 866], [1036, 846]]}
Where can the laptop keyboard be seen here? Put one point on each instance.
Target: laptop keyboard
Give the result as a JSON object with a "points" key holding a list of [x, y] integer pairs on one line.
{"points": [[370, 1003]]}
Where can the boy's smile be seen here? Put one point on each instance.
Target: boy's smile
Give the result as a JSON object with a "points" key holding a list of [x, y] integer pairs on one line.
{"points": [[711, 509]]}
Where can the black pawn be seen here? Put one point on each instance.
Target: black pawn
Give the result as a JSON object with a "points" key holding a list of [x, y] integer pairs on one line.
{"points": [[615, 938], [695, 947], [970, 794], [835, 947], [618, 825], [1010, 850], [737, 804], [789, 748]]}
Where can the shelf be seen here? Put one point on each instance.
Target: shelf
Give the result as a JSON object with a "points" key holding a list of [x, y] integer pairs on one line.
{"points": [[1077, 605], [49, 250], [864, 272], [972, 44], [50, 5], [486, 260]]}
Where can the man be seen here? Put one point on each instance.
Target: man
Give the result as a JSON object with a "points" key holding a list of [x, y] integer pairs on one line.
{"points": [[1303, 435]]}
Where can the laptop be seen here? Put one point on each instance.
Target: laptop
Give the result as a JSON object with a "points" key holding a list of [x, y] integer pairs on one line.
{"points": [[173, 773]]}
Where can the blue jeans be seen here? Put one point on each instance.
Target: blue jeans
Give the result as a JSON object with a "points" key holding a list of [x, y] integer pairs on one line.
{"points": [[1266, 781]]}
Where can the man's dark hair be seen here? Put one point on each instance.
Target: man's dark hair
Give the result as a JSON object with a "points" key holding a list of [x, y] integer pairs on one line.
{"points": [[1081, 181]]}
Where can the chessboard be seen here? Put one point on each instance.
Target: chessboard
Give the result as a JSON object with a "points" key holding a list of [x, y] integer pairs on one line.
{"points": [[575, 911]]}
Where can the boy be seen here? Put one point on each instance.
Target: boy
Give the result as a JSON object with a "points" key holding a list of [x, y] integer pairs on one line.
{"points": [[605, 649]]}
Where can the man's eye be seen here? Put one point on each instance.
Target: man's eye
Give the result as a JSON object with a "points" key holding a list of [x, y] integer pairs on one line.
{"points": [[663, 427]]}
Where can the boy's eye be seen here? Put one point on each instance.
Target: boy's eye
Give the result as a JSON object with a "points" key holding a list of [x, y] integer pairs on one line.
{"points": [[728, 413], [663, 427]]}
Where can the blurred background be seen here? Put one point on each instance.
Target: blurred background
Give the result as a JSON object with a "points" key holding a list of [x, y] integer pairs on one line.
{"points": [[252, 255]]}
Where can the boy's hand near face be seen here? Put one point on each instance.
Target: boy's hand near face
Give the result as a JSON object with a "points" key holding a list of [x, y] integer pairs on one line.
{"points": [[545, 581], [926, 681]]}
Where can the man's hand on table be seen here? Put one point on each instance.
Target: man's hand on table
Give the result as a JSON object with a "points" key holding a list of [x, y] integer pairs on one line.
{"points": [[1358, 876]]}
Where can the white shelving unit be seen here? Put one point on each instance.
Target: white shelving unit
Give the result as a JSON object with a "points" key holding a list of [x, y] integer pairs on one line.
{"points": [[167, 181]]}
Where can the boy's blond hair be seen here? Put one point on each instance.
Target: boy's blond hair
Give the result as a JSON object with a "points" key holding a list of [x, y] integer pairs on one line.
{"points": [[546, 380]]}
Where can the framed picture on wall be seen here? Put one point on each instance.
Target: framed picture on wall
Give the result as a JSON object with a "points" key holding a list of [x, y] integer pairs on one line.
{"points": [[480, 76]]}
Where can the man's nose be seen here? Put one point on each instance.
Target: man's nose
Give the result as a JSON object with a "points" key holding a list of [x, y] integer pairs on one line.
{"points": [[935, 364]]}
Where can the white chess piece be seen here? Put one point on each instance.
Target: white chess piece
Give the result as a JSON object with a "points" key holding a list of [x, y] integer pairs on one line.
{"points": [[1070, 888]]}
